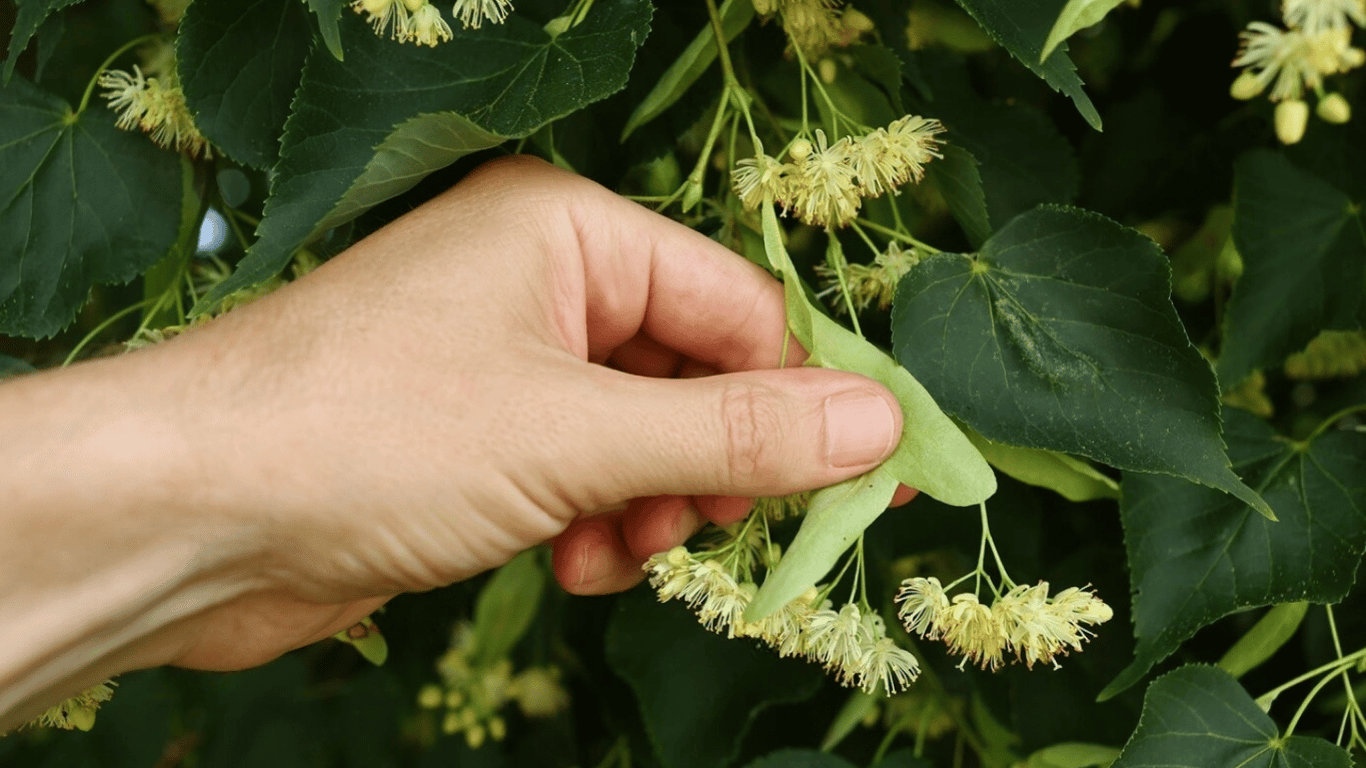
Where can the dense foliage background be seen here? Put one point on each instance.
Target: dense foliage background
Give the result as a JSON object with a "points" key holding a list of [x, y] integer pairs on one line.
{"points": [[1142, 305]]}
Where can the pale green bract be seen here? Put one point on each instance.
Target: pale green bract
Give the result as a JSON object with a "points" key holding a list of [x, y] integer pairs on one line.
{"points": [[934, 455]]}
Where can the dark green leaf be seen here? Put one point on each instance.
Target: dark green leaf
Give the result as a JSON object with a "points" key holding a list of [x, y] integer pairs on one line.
{"points": [[698, 692], [1021, 27], [1200, 717], [956, 177], [800, 758], [370, 128], [1304, 258], [902, 758], [49, 35], [880, 65], [32, 14], [854, 712], [1060, 334], [1197, 555], [81, 202], [239, 64], [1265, 638], [506, 607], [329, 16], [695, 59], [13, 366]]}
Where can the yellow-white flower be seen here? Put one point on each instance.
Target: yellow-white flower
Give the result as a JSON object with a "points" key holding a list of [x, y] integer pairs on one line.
{"points": [[473, 13], [427, 27], [924, 607], [1319, 15], [1291, 61], [888, 666], [157, 109], [836, 639], [823, 192], [970, 629], [387, 17], [757, 177]]}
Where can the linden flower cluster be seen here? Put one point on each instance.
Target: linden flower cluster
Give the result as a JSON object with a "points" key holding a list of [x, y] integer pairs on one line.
{"points": [[473, 695], [869, 283], [77, 712], [815, 26], [153, 103], [1024, 621], [419, 21], [1316, 44], [850, 643], [825, 183]]}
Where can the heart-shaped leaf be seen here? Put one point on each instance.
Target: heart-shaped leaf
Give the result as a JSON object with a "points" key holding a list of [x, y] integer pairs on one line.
{"points": [[1197, 555], [1199, 717]]}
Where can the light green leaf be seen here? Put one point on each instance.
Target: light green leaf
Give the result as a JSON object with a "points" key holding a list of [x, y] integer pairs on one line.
{"points": [[1304, 257], [934, 455], [1060, 334], [799, 311], [329, 15], [858, 707], [81, 203], [834, 520], [31, 15], [1072, 754], [376, 124], [957, 179], [506, 607], [1074, 479], [697, 692], [1265, 638], [695, 59], [1197, 555], [1200, 717], [239, 63], [1021, 26], [1076, 16]]}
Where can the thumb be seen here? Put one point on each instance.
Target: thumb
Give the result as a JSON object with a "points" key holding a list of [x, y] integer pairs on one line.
{"points": [[755, 433]]}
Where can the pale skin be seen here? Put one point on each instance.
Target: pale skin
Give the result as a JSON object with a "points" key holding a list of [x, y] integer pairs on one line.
{"points": [[527, 358]]}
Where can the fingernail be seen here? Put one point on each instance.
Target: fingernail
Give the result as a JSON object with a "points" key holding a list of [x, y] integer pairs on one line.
{"points": [[859, 429], [591, 568]]}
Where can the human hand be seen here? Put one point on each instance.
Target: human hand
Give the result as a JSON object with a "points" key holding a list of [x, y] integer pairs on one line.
{"points": [[505, 365]]}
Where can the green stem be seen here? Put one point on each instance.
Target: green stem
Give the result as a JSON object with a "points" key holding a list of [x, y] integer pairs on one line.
{"points": [[834, 255], [90, 87], [868, 241], [888, 231], [1334, 666], [1000, 566], [887, 740], [1290, 729], [1331, 420], [100, 328]]}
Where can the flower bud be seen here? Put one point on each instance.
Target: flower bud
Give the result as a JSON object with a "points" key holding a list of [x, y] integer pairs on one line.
{"points": [[1333, 108], [1247, 86], [375, 7], [765, 7], [414, 5], [475, 737], [450, 724], [828, 69], [430, 696], [1291, 118], [799, 150], [692, 195]]}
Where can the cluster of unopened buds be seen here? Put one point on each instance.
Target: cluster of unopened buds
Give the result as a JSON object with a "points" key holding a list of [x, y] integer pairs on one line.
{"points": [[824, 184], [420, 21], [851, 643], [472, 696], [1316, 44], [1024, 621], [815, 26]]}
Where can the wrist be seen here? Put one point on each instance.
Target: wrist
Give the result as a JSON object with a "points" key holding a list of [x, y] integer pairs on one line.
{"points": [[114, 539]]}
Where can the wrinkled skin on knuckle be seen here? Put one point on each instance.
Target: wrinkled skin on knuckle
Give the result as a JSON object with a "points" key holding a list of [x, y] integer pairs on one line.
{"points": [[755, 426]]}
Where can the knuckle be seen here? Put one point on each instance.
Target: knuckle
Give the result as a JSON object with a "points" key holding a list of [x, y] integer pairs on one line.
{"points": [[754, 432]]}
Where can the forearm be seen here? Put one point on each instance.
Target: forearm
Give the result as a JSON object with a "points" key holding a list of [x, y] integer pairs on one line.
{"points": [[110, 533]]}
